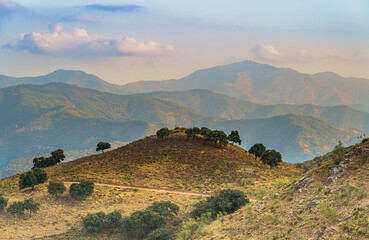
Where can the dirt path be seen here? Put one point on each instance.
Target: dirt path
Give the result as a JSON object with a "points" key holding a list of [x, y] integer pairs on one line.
{"points": [[147, 189]]}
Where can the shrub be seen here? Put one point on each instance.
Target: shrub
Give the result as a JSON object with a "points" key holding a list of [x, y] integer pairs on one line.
{"points": [[31, 205], [217, 136], [3, 202], [204, 131], [160, 234], [258, 150], [163, 132], [245, 182], [192, 132], [194, 228], [40, 175], [364, 156], [141, 223], [81, 190], [56, 188], [225, 202], [113, 219], [164, 208], [16, 208], [32, 178], [93, 222], [272, 158]]}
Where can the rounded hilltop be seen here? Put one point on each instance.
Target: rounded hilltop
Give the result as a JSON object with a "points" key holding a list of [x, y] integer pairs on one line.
{"points": [[172, 162]]}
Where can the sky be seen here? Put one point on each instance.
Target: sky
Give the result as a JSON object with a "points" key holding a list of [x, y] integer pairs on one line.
{"points": [[127, 41]]}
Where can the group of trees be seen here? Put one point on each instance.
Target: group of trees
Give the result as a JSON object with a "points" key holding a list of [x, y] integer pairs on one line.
{"points": [[215, 136], [55, 158], [81, 190], [32, 178], [225, 202], [18, 207], [270, 157], [148, 223]]}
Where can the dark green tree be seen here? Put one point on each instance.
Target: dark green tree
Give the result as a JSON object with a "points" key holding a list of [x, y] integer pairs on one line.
{"points": [[101, 146], [192, 132], [272, 158], [160, 234], [258, 150], [113, 219], [93, 222], [226, 201], [57, 156], [56, 188], [81, 190], [205, 132], [40, 175], [3, 203], [163, 132], [164, 208], [31, 205], [27, 180], [141, 223], [16, 208], [217, 136], [234, 137]]}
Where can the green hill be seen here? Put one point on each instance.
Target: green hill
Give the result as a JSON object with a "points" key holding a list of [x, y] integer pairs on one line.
{"points": [[223, 106]]}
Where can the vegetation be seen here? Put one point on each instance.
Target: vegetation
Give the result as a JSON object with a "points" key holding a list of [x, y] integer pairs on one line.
{"points": [[113, 219], [18, 208], [32, 178], [225, 202], [56, 188], [101, 146], [235, 137], [3, 203], [93, 222], [160, 234], [217, 136], [164, 208], [258, 150], [163, 132], [81, 190], [192, 132], [272, 158], [56, 158]]}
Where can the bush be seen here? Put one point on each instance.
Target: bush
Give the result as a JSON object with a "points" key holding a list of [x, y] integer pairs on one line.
{"points": [[113, 219], [56, 188], [164, 208], [245, 182], [3, 202], [141, 223], [258, 150], [272, 158], [32, 178], [364, 156], [20, 207], [225, 202], [40, 175], [194, 228], [81, 190], [160, 234], [93, 222], [163, 132]]}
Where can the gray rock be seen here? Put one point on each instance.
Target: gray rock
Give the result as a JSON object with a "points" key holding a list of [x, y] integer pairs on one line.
{"points": [[303, 182], [358, 151], [301, 201], [334, 174], [347, 160]]}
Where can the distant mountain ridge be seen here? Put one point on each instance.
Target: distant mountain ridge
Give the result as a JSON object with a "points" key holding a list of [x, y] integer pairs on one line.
{"points": [[219, 105]]}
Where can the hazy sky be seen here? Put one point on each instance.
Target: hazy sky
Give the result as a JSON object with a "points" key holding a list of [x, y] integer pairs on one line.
{"points": [[125, 41]]}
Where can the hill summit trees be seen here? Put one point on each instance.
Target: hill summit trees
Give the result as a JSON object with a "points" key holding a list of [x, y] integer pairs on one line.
{"points": [[55, 158]]}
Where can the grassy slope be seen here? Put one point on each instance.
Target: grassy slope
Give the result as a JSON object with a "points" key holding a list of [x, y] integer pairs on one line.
{"points": [[342, 213], [174, 163]]}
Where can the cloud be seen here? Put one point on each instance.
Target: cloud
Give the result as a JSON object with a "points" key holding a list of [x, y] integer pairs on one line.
{"points": [[79, 18], [7, 7], [76, 42], [266, 52], [115, 8]]}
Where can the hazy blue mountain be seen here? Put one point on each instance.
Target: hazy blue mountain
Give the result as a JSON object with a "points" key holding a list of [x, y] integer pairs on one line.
{"points": [[219, 105], [298, 138], [262, 83]]}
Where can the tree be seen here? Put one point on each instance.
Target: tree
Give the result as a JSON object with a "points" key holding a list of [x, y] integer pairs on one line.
{"points": [[205, 132], [113, 219], [56, 188], [40, 175], [3, 202], [234, 137], [27, 180], [272, 158], [81, 190], [160, 234], [31, 205], [19, 207], [101, 146], [141, 223], [217, 136], [56, 158], [258, 150], [164, 208], [93, 222], [163, 132], [192, 132]]}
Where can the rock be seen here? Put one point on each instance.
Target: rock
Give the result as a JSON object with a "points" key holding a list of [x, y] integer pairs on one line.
{"points": [[248, 171], [299, 191], [303, 182], [313, 204], [276, 195], [346, 161], [358, 151], [334, 174], [301, 201]]}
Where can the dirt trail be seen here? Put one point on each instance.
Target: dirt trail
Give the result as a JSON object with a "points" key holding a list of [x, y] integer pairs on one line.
{"points": [[147, 189]]}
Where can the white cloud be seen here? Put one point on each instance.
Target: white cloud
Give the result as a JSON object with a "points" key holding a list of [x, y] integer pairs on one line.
{"points": [[266, 52], [76, 42]]}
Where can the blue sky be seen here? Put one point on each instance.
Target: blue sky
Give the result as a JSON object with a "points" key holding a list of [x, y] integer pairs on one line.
{"points": [[125, 41]]}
